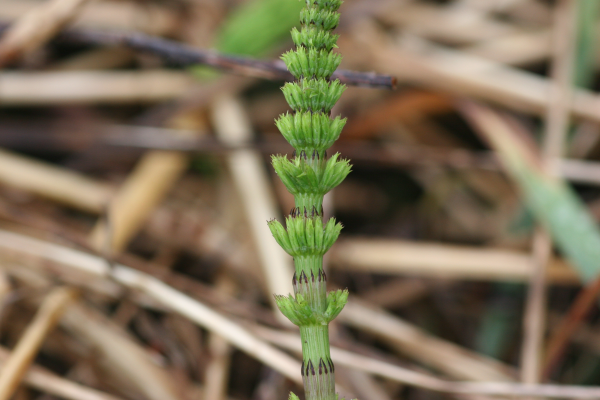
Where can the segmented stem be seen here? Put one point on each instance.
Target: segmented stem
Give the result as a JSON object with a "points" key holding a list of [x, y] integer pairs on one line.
{"points": [[309, 175]]}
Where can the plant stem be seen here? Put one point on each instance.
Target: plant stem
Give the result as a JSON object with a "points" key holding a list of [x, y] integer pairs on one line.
{"points": [[317, 367], [310, 281], [308, 176], [306, 201]]}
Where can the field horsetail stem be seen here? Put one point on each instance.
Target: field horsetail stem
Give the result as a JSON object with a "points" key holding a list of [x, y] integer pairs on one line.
{"points": [[308, 176]]}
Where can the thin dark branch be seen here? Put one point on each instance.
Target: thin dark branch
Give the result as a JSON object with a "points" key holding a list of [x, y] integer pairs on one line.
{"points": [[45, 137], [358, 150], [183, 55]]}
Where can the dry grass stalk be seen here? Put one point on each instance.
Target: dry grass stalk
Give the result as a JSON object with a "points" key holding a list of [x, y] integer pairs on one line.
{"points": [[137, 197], [251, 180], [69, 87], [439, 260], [122, 359], [448, 70], [36, 27], [400, 292], [53, 182], [458, 25], [210, 319], [143, 190], [97, 59], [561, 93], [45, 319], [444, 356], [580, 171], [47, 382], [217, 371], [365, 386], [158, 291], [519, 49], [557, 125], [5, 290], [535, 313], [148, 18]]}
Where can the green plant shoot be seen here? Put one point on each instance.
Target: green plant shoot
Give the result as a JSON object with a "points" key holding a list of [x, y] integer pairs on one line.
{"points": [[308, 176]]}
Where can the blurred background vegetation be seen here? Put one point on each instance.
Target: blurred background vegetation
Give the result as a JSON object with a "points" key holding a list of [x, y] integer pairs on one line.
{"points": [[471, 244]]}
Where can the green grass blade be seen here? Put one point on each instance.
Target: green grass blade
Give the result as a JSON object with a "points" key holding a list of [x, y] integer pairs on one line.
{"points": [[588, 13], [256, 27], [551, 200]]}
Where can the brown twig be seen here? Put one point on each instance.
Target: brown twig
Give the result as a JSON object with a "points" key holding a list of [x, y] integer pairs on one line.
{"points": [[184, 55], [569, 325]]}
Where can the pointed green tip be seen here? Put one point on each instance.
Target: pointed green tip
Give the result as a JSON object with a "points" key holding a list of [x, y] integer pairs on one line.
{"points": [[336, 300], [293, 396], [281, 235], [297, 310]]}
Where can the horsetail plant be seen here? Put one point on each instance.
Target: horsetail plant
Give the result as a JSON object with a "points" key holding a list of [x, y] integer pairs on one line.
{"points": [[308, 176]]}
